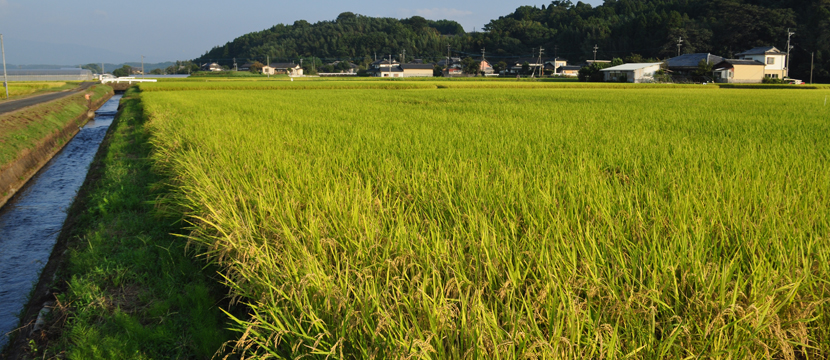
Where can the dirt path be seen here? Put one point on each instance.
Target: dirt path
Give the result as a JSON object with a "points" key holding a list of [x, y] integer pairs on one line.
{"points": [[15, 105]]}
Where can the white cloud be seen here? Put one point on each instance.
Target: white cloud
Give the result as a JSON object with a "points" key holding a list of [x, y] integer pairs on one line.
{"points": [[436, 13]]}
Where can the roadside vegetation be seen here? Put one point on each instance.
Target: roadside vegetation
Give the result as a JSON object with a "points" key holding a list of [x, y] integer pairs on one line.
{"points": [[128, 287], [24, 129], [460, 223]]}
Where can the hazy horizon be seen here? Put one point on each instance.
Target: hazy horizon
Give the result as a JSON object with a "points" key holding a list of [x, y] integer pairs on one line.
{"points": [[58, 33]]}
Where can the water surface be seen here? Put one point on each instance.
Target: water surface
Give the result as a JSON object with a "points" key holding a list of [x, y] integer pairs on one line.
{"points": [[30, 222]]}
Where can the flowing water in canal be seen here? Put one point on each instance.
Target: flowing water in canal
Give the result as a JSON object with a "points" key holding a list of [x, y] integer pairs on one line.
{"points": [[31, 221]]}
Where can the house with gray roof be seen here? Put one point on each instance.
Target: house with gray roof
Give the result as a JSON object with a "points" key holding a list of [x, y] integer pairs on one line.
{"points": [[291, 69], [633, 72], [686, 64]]}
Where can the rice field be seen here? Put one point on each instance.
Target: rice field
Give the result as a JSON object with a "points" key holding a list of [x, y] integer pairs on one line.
{"points": [[23, 88], [507, 223]]}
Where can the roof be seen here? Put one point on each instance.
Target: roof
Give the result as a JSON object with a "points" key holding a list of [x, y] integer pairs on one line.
{"points": [[283, 65], [761, 50], [384, 62], [692, 60], [530, 61], [556, 59], [630, 67], [417, 66], [738, 62], [570, 67]]}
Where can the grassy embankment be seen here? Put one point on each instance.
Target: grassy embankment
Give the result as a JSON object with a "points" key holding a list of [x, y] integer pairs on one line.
{"points": [[509, 223], [25, 129], [128, 289], [18, 89]]}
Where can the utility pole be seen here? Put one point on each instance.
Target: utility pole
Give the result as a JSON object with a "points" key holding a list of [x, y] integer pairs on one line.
{"points": [[555, 51], [102, 69], [390, 65], [447, 65], [5, 78], [679, 44], [235, 68], [540, 62], [812, 57], [267, 63], [595, 53], [403, 57], [142, 66], [789, 47]]}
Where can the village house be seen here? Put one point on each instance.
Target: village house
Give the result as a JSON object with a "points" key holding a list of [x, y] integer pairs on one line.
{"points": [[353, 68], [386, 68], [569, 70], [774, 60], [211, 67], [739, 71], [283, 68], [633, 72], [552, 65], [486, 68], [515, 67], [687, 64]]}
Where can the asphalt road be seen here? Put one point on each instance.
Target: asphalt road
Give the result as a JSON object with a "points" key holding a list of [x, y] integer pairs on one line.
{"points": [[14, 105]]}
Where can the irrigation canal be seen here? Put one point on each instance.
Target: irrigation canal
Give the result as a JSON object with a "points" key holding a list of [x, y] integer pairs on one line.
{"points": [[31, 221]]}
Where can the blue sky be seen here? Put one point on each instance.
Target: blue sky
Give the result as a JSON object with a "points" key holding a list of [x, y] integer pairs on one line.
{"points": [[72, 32]]}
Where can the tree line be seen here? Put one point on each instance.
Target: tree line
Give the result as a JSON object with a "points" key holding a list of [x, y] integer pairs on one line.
{"points": [[616, 29]]}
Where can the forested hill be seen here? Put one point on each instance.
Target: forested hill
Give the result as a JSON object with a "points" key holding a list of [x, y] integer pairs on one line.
{"points": [[350, 36], [619, 28]]}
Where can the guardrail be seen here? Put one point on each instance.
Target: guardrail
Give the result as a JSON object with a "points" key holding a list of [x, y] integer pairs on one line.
{"points": [[128, 79]]}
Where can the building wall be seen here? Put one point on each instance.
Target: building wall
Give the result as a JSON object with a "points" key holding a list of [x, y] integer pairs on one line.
{"points": [[776, 68], [417, 73], [747, 74]]}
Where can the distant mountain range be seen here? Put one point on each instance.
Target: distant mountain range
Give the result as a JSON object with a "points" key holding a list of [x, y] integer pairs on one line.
{"points": [[52, 56]]}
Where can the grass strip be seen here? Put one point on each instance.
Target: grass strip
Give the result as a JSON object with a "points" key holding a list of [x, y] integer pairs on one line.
{"points": [[24, 129], [130, 290]]}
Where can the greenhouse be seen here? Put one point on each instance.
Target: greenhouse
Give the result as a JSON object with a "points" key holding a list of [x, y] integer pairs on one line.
{"points": [[48, 74]]}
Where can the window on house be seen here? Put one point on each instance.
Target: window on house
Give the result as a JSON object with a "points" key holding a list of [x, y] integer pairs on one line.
{"points": [[771, 76], [770, 60]]}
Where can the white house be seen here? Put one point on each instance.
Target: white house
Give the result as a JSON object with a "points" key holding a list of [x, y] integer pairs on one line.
{"points": [[634, 72], [283, 68], [774, 59]]}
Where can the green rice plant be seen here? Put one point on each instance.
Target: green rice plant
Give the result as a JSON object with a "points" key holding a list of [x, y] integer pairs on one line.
{"points": [[507, 223]]}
